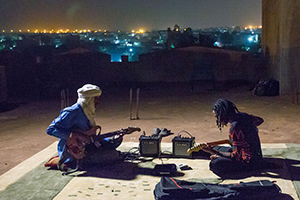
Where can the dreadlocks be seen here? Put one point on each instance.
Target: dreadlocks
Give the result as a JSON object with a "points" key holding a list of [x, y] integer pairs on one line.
{"points": [[224, 110]]}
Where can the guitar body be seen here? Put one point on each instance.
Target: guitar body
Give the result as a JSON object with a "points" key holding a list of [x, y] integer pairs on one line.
{"points": [[76, 143]]}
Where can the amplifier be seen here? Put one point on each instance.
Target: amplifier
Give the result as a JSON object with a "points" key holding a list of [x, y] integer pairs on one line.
{"points": [[150, 145], [181, 145]]}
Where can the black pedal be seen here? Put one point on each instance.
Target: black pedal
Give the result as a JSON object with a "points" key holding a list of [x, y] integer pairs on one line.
{"points": [[165, 169], [181, 145], [150, 145]]}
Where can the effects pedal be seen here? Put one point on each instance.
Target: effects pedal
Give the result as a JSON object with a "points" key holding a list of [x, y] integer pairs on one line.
{"points": [[150, 145], [165, 169], [181, 145]]}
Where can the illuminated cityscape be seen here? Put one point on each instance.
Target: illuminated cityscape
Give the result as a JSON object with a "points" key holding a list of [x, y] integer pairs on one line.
{"points": [[135, 42], [42, 60]]}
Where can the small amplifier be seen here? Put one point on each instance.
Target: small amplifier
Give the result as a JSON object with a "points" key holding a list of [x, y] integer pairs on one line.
{"points": [[150, 145], [181, 145]]}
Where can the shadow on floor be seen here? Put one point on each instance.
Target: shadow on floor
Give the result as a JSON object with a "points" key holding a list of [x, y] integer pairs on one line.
{"points": [[276, 168], [273, 167], [283, 168], [124, 171]]}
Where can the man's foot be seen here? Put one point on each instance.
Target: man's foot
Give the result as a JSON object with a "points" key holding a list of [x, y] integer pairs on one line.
{"points": [[52, 163]]}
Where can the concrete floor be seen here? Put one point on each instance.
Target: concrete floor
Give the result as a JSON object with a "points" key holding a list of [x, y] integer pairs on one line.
{"points": [[23, 176]]}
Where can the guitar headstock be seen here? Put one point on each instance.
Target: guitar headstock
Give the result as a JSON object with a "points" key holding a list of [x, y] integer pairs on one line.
{"points": [[132, 129], [196, 148]]}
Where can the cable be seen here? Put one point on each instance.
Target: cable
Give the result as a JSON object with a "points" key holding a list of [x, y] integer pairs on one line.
{"points": [[184, 132], [160, 158]]}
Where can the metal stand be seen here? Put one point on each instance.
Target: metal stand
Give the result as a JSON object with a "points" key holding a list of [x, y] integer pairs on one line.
{"points": [[137, 103], [64, 98]]}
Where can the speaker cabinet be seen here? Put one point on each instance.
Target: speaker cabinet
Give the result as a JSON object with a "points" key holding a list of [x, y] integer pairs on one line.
{"points": [[181, 145], [150, 145]]}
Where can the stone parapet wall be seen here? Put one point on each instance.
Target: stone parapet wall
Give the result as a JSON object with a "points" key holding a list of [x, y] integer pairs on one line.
{"points": [[281, 42]]}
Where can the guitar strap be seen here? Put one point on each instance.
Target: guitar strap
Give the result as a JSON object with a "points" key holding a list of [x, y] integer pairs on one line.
{"points": [[64, 157]]}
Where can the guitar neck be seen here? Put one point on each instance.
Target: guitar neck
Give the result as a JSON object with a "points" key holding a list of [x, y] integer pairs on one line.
{"points": [[122, 132], [218, 142], [110, 134]]}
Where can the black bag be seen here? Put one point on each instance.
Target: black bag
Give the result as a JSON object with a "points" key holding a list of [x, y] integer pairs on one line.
{"points": [[260, 89], [174, 189], [272, 87], [267, 88]]}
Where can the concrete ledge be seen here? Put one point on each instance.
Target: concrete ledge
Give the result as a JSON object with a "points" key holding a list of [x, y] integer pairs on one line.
{"points": [[27, 165]]}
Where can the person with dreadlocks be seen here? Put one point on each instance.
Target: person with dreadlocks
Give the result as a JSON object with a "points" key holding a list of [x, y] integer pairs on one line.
{"points": [[244, 152]]}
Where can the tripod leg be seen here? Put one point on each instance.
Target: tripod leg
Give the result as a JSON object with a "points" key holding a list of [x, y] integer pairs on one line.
{"points": [[130, 103]]}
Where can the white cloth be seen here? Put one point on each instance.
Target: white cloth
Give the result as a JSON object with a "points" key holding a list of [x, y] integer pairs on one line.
{"points": [[86, 96]]}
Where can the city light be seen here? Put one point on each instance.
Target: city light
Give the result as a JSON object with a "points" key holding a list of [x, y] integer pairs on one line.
{"points": [[253, 27], [132, 42], [139, 31], [218, 44], [59, 31]]}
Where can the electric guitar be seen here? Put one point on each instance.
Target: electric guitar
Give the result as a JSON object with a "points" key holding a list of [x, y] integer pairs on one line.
{"points": [[77, 141], [198, 147]]}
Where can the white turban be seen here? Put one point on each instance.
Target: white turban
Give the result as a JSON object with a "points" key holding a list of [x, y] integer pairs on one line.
{"points": [[86, 96]]}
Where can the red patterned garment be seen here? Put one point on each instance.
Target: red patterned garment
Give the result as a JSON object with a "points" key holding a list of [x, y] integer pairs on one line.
{"points": [[244, 139]]}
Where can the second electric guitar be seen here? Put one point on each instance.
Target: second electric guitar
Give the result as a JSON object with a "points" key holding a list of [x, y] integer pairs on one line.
{"points": [[200, 146]]}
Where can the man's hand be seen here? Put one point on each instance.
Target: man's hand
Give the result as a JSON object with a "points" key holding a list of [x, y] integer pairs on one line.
{"points": [[93, 130], [214, 156], [207, 148]]}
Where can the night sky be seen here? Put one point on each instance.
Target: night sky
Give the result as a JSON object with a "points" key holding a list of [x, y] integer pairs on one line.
{"points": [[127, 14]]}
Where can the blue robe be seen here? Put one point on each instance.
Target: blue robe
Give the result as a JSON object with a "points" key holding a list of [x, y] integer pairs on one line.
{"points": [[70, 119]]}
